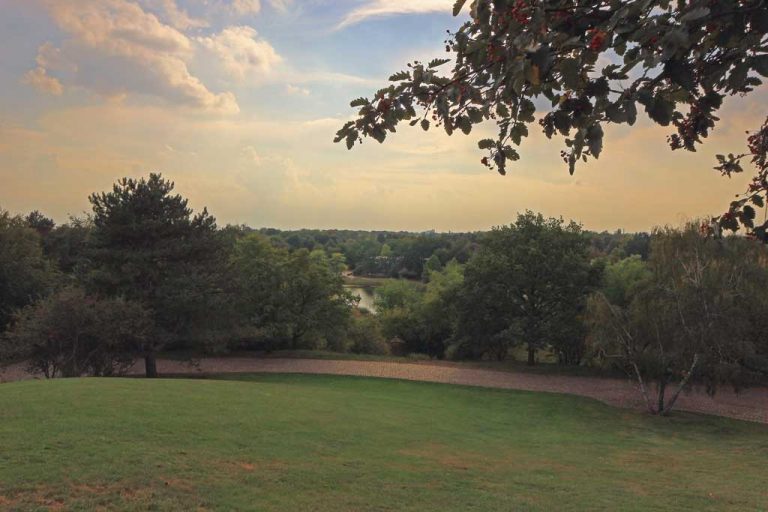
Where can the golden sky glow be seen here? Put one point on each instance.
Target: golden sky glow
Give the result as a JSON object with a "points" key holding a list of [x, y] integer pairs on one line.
{"points": [[238, 102]]}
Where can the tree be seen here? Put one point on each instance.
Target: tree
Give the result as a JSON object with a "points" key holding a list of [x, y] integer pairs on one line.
{"points": [[423, 316], [528, 284], [439, 308], [66, 245], [70, 334], [432, 264], [40, 223], [25, 274], [291, 298], [698, 315], [623, 278], [148, 247], [364, 336], [587, 64]]}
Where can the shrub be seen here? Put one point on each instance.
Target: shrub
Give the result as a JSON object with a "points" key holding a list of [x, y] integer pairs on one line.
{"points": [[365, 337], [71, 334]]}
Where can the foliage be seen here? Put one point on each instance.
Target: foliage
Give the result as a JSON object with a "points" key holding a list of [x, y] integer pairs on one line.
{"points": [[70, 334], [585, 64], [148, 247], [25, 274], [697, 313], [40, 223], [623, 278], [423, 316], [397, 293], [432, 264], [292, 299], [527, 284], [66, 246], [365, 337]]}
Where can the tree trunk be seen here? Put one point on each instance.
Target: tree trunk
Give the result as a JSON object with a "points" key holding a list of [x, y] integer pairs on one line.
{"points": [[531, 356], [662, 391], [682, 386], [642, 388], [150, 365]]}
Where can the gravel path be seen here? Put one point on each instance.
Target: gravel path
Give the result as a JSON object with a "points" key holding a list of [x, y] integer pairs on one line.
{"points": [[751, 404]]}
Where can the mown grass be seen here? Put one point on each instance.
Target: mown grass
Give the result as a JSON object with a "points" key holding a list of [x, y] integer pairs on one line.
{"points": [[323, 443]]}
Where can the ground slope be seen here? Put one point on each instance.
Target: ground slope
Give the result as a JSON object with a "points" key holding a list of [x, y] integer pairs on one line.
{"points": [[323, 443]]}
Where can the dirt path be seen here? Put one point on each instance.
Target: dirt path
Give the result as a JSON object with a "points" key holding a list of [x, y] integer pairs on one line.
{"points": [[751, 404]]}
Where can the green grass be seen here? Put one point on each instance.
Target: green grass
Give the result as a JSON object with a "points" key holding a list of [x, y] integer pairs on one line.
{"points": [[322, 443]]}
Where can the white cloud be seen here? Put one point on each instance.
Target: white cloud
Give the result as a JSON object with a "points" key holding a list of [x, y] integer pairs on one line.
{"points": [[241, 53], [378, 8], [174, 15], [294, 90], [243, 7], [246, 7], [43, 82], [115, 47]]}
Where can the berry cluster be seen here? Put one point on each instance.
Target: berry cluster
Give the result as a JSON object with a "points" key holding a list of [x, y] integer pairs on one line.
{"points": [[597, 39], [519, 12]]}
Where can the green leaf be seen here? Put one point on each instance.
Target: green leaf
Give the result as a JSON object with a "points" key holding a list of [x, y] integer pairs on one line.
{"points": [[438, 62], [486, 144], [760, 64], [424, 124], [464, 124], [379, 134], [359, 102], [595, 140], [511, 154], [570, 69], [457, 6], [399, 76], [660, 110], [758, 201], [475, 115], [694, 14]]}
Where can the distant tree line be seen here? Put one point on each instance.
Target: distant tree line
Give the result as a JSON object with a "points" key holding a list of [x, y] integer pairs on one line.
{"points": [[143, 274]]}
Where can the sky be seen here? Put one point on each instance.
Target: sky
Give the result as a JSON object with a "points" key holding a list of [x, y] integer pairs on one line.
{"points": [[237, 102]]}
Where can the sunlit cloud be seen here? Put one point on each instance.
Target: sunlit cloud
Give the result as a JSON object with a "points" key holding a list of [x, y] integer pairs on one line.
{"points": [[241, 53], [40, 80], [294, 90], [379, 8], [246, 7], [175, 16], [115, 47]]}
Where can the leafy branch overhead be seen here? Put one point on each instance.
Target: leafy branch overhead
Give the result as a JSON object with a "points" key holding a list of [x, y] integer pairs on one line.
{"points": [[575, 66]]}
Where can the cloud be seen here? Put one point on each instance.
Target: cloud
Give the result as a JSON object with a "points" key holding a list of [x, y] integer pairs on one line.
{"points": [[246, 7], [241, 53], [379, 8], [40, 80], [243, 7], [115, 47], [177, 17], [294, 90]]}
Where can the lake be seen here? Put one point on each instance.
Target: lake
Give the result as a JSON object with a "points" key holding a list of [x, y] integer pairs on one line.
{"points": [[367, 295]]}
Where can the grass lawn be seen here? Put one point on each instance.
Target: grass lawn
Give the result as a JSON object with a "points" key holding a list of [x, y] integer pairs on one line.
{"points": [[323, 443]]}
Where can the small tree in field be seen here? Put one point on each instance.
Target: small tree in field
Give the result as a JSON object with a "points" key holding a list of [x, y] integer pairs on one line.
{"points": [[71, 334], [587, 64], [527, 284], [148, 247], [700, 314]]}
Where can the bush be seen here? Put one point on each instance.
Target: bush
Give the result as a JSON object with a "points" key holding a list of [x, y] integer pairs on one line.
{"points": [[71, 334], [365, 337]]}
